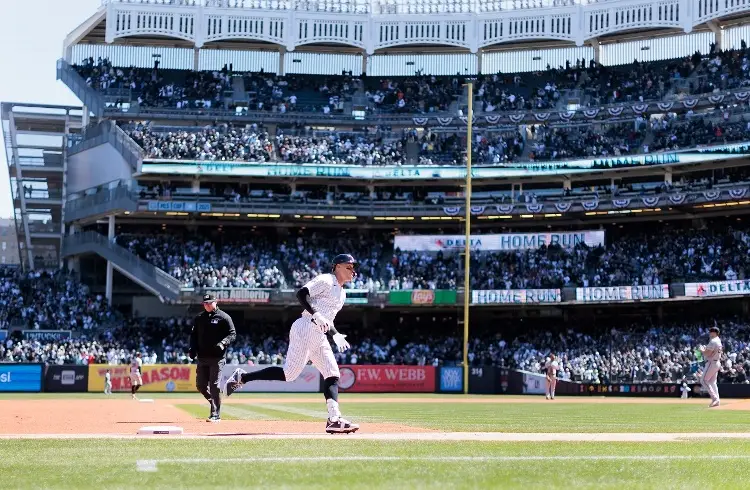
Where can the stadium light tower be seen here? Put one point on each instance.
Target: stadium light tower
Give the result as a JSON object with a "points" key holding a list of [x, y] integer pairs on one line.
{"points": [[467, 242]]}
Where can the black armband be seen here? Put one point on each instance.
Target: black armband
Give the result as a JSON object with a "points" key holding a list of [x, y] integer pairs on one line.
{"points": [[302, 296]]}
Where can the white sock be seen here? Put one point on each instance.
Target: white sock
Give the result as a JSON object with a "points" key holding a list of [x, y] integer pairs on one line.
{"points": [[333, 409]]}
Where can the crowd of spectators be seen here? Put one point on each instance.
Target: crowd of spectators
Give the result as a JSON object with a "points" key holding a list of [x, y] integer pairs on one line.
{"points": [[722, 70], [568, 142], [670, 134], [418, 94], [340, 150]]}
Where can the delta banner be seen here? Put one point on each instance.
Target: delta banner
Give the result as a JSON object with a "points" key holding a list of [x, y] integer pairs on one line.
{"points": [[422, 297], [21, 377], [717, 288], [387, 379], [621, 293], [160, 378], [47, 335], [307, 382], [499, 242], [240, 295], [515, 296], [66, 379]]}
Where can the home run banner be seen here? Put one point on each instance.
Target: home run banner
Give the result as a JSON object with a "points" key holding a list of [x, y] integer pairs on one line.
{"points": [[621, 293], [157, 378], [501, 242], [718, 288], [387, 379], [515, 296], [307, 382]]}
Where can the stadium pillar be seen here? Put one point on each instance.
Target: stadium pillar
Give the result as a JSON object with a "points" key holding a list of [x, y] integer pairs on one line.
{"points": [[196, 58], [85, 117], [479, 62], [282, 57], [597, 47], [567, 185], [668, 176], [364, 62], [110, 271], [718, 34]]}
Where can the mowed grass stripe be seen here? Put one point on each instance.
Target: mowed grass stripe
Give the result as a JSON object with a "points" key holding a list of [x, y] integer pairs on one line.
{"points": [[244, 412], [202, 412]]}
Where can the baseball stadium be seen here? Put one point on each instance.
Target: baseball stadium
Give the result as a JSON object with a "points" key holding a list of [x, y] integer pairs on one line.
{"points": [[382, 244]]}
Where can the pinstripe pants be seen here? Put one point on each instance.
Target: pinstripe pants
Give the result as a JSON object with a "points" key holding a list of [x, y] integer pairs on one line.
{"points": [[308, 343], [708, 380]]}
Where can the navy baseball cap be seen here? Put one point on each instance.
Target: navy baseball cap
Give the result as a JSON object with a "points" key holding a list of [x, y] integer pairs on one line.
{"points": [[343, 259]]}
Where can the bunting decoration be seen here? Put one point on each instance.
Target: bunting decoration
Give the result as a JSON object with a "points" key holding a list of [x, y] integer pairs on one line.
{"points": [[516, 118], [665, 106], [567, 116], [711, 195], [444, 121], [477, 210], [420, 121], [651, 201], [563, 207], [492, 119], [738, 193], [590, 205], [690, 103], [591, 113], [621, 203], [465, 119], [741, 95], [615, 111], [640, 108], [716, 99], [677, 198], [534, 207], [452, 211], [504, 208], [541, 116]]}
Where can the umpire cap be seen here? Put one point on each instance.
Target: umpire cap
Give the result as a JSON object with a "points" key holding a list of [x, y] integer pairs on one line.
{"points": [[343, 259]]}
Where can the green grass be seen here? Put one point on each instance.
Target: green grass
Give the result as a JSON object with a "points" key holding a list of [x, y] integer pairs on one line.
{"points": [[112, 464], [559, 416]]}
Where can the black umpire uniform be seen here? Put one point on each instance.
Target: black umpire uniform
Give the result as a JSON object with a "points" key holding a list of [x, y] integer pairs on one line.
{"points": [[213, 331]]}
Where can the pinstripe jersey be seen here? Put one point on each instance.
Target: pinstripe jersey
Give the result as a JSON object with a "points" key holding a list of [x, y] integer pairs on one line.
{"points": [[135, 365], [326, 296], [551, 367]]}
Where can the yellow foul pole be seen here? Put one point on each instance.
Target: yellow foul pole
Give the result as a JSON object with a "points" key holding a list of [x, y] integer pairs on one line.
{"points": [[467, 246]]}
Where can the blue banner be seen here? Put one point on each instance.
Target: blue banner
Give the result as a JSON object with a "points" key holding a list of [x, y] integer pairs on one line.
{"points": [[47, 335], [21, 377], [452, 379], [3, 335]]}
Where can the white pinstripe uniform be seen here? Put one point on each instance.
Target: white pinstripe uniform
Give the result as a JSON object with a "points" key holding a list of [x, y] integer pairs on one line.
{"points": [[551, 368], [712, 353], [135, 374], [306, 341]]}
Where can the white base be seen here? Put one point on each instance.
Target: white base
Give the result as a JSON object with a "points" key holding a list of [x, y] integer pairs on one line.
{"points": [[146, 400], [160, 430]]}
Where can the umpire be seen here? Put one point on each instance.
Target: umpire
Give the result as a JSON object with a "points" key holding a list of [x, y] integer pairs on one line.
{"points": [[212, 333]]}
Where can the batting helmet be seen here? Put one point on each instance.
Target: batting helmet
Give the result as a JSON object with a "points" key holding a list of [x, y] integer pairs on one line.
{"points": [[343, 259]]}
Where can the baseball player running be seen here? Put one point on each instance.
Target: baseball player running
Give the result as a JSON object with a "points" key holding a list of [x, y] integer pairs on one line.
{"points": [[712, 354], [322, 298], [135, 375], [550, 369]]}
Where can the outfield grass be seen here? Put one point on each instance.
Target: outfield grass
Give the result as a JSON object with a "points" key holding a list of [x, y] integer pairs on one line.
{"points": [[559, 416], [242, 464]]}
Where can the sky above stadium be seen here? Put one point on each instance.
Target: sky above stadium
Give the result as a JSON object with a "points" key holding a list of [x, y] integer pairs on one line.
{"points": [[31, 40]]}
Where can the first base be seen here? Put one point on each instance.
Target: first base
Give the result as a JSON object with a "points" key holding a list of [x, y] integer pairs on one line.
{"points": [[146, 400], [159, 430]]}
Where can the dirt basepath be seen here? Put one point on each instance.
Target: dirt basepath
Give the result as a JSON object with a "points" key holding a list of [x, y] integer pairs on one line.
{"points": [[118, 416]]}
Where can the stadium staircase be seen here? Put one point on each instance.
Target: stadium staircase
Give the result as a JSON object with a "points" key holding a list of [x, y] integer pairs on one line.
{"points": [[146, 275], [238, 89], [88, 96], [100, 203], [106, 131]]}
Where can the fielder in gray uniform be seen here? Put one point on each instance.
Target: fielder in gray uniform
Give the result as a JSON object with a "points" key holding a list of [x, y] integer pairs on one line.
{"points": [[322, 298], [712, 355]]}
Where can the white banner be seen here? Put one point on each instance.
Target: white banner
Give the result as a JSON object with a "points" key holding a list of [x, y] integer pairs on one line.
{"points": [[717, 288], [506, 241], [515, 296], [534, 383], [308, 381], [621, 293]]}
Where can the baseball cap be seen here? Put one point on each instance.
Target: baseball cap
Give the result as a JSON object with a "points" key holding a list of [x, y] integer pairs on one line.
{"points": [[209, 298]]}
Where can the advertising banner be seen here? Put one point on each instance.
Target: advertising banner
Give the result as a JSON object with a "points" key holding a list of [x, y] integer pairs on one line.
{"points": [[356, 297], [307, 382], [3, 335], [644, 389], [499, 242], [717, 288], [240, 295], [47, 335], [534, 383], [66, 379], [451, 379], [515, 296], [156, 378], [178, 206], [482, 380], [21, 377], [422, 297], [387, 379], [622, 293], [413, 172]]}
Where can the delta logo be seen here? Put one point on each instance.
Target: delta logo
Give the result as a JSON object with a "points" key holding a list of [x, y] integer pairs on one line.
{"points": [[450, 243], [701, 290]]}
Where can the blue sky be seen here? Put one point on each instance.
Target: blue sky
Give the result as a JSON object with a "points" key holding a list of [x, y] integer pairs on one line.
{"points": [[31, 37]]}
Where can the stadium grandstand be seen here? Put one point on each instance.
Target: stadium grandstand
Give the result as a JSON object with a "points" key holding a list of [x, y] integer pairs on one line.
{"points": [[234, 147]]}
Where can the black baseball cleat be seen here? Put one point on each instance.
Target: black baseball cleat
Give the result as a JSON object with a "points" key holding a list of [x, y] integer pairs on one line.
{"points": [[234, 382], [341, 426], [214, 419]]}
